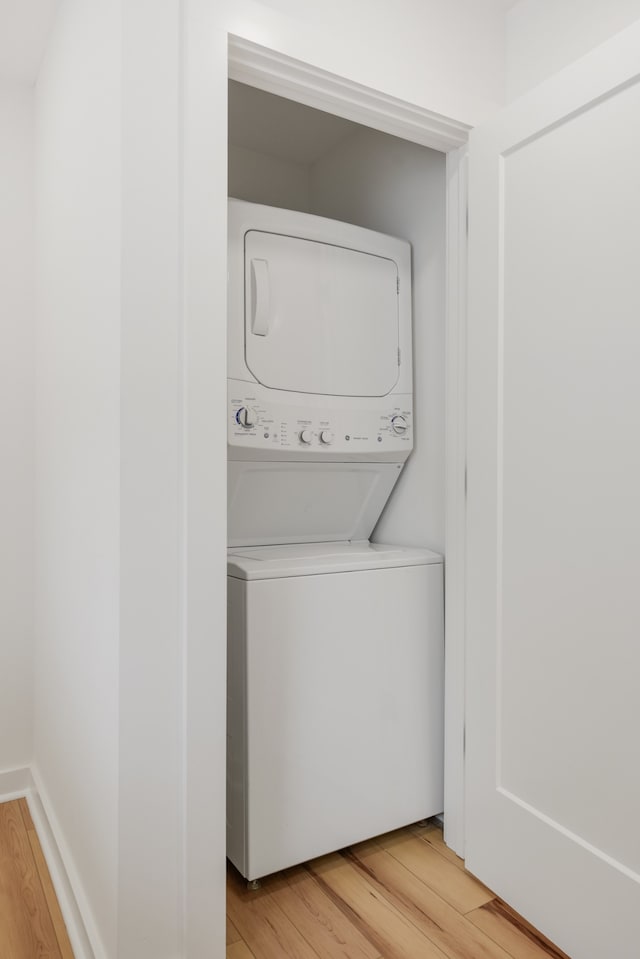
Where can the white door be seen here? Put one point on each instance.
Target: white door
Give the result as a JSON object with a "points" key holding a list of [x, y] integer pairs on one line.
{"points": [[320, 318], [553, 667]]}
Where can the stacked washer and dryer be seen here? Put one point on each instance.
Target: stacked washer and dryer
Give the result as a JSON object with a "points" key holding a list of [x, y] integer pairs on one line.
{"points": [[335, 643]]}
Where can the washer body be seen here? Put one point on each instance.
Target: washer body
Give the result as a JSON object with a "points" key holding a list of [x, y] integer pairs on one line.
{"points": [[335, 702]]}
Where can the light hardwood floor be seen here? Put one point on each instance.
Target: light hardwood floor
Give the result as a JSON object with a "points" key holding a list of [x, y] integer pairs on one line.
{"points": [[401, 896], [31, 925]]}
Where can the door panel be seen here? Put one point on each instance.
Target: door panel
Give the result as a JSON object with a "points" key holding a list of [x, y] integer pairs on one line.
{"points": [[320, 318], [553, 778], [571, 522]]}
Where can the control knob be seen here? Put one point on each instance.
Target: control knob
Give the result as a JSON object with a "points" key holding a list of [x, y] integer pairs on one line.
{"points": [[326, 437], [399, 425], [246, 418], [306, 437]]}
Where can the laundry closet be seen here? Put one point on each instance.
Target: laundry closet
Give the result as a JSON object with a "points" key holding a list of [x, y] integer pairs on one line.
{"points": [[284, 156]]}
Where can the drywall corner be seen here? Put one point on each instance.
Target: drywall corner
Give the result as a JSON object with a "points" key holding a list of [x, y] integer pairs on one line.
{"points": [[15, 783]]}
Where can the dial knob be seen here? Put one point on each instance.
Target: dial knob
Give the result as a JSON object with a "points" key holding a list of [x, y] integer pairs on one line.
{"points": [[399, 425], [306, 436], [246, 417], [326, 437]]}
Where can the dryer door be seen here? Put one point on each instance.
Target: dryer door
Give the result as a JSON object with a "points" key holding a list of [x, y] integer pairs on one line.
{"points": [[320, 318]]}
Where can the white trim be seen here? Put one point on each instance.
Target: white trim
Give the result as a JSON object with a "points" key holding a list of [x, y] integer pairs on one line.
{"points": [[573, 837], [259, 67], [15, 783], [74, 903], [203, 480], [455, 507]]}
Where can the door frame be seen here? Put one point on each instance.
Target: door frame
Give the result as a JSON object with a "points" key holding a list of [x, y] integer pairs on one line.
{"points": [[276, 73]]}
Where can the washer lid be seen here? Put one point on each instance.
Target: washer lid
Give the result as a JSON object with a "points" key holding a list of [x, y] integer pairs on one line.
{"points": [[320, 318], [276, 562], [273, 503]]}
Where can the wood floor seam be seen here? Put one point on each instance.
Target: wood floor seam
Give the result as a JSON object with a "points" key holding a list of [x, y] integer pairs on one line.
{"points": [[345, 908], [321, 920], [27, 928], [44, 893], [435, 918], [510, 922], [396, 935], [372, 876]]}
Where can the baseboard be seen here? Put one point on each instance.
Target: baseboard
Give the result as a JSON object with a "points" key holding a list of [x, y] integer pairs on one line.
{"points": [[85, 940], [24, 783], [15, 783]]}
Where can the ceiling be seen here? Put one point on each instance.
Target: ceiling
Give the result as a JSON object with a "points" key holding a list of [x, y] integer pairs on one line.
{"points": [[282, 128], [24, 28]]}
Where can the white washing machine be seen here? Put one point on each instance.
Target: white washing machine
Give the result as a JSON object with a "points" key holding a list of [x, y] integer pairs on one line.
{"points": [[335, 686], [335, 718]]}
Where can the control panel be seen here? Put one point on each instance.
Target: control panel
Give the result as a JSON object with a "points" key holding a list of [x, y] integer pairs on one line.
{"points": [[256, 424]]}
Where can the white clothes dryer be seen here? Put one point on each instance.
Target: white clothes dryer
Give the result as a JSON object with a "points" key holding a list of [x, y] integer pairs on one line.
{"points": [[319, 407], [335, 702]]}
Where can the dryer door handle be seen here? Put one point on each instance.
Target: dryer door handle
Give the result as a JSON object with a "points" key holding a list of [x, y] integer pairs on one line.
{"points": [[260, 294]]}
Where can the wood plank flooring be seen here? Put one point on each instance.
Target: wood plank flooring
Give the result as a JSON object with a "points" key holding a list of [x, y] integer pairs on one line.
{"points": [[31, 925], [402, 896]]}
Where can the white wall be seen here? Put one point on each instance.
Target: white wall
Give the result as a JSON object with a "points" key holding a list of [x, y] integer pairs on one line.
{"points": [[543, 36], [78, 197], [204, 476], [16, 425], [261, 178], [153, 669], [130, 583], [390, 185], [448, 57]]}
